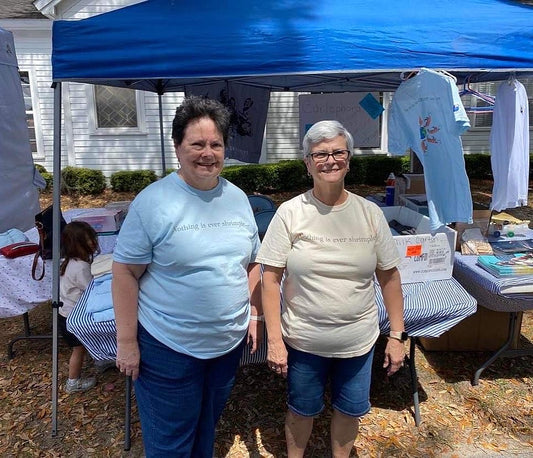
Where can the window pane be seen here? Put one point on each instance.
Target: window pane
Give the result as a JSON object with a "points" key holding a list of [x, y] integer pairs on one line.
{"points": [[26, 91], [115, 107], [481, 119]]}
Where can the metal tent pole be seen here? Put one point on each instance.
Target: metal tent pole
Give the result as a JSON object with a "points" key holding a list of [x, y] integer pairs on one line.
{"points": [[162, 135], [56, 202]]}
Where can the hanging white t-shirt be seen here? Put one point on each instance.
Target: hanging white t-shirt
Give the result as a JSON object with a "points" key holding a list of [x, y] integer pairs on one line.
{"points": [[427, 115], [330, 255], [509, 146]]}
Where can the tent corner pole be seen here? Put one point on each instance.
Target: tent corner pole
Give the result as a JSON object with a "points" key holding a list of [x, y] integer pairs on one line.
{"points": [[56, 211], [162, 135]]}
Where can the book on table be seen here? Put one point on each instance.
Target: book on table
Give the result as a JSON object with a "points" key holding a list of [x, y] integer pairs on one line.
{"points": [[507, 265]]}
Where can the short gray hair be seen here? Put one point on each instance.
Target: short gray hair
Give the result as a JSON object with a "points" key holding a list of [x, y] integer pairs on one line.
{"points": [[326, 130]]}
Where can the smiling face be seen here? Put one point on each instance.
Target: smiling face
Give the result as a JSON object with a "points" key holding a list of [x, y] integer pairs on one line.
{"points": [[201, 154], [330, 171]]}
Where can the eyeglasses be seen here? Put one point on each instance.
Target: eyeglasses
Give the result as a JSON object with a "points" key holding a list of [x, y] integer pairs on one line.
{"points": [[323, 156]]}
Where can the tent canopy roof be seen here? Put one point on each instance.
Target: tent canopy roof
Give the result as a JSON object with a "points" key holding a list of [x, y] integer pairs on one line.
{"points": [[334, 45]]}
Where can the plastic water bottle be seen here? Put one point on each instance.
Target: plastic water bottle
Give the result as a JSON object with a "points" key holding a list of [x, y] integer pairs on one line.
{"points": [[389, 190]]}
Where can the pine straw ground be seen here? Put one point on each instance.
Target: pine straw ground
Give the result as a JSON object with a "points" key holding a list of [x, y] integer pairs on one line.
{"points": [[494, 418]]}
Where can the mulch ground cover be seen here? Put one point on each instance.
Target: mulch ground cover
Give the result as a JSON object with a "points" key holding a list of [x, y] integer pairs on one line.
{"points": [[494, 418]]}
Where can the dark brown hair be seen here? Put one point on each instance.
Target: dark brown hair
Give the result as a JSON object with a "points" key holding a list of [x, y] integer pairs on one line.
{"points": [[78, 241], [194, 107]]}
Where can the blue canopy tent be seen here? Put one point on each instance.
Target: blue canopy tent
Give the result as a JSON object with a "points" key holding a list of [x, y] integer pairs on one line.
{"points": [[293, 45]]}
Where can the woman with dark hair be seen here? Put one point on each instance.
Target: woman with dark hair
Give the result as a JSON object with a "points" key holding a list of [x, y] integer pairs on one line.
{"points": [[184, 278]]}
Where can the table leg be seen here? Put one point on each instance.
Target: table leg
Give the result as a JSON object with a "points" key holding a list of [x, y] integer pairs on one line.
{"points": [[503, 350], [27, 336], [127, 422], [414, 379]]}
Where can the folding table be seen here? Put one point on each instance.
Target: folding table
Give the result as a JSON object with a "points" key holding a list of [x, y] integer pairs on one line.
{"points": [[430, 309]]}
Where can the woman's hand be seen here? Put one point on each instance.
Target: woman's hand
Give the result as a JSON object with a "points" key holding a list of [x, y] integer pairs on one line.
{"points": [[277, 357], [394, 355], [128, 358], [255, 335]]}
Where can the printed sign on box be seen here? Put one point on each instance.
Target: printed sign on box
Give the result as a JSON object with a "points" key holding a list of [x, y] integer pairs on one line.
{"points": [[424, 256]]}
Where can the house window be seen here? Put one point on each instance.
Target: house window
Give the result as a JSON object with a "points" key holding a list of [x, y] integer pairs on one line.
{"points": [[115, 107], [26, 91], [479, 111]]}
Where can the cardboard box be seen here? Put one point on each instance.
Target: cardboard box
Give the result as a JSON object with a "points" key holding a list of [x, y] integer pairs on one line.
{"points": [[408, 183], [480, 220], [102, 220], [486, 330], [412, 201], [424, 256]]}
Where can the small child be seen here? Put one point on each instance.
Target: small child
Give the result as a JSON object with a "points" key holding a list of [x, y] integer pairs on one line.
{"points": [[79, 244]]}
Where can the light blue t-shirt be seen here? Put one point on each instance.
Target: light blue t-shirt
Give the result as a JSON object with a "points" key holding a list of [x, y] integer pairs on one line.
{"points": [[194, 295], [427, 115]]}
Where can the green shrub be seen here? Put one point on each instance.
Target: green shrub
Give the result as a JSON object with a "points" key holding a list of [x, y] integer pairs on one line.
{"points": [[40, 168], [132, 180], [478, 166], [267, 178], [247, 177], [49, 178], [286, 175], [82, 181], [292, 175], [374, 170]]}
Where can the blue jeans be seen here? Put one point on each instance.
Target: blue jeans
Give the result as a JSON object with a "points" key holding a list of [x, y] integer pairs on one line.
{"points": [[308, 375], [180, 398]]}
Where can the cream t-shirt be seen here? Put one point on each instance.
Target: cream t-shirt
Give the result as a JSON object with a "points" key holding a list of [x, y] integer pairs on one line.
{"points": [[330, 255]]}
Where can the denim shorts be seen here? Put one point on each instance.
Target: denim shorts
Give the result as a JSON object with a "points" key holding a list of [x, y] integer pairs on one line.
{"points": [[349, 378], [180, 398]]}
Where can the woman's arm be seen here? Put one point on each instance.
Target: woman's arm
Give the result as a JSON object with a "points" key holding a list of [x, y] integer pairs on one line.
{"points": [[125, 291], [256, 327], [277, 352], [391, 288]]}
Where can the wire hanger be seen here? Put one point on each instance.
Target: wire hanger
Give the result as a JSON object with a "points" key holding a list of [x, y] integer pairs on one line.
{"points": [[444, 72], [404, 76], [467, 90]]}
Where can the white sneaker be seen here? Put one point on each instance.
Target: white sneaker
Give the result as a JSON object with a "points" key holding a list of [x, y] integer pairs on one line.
{"points": [[80, 384]]}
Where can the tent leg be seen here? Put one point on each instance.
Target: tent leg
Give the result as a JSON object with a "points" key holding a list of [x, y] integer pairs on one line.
{"points": [[162, 135], [56, 202]]}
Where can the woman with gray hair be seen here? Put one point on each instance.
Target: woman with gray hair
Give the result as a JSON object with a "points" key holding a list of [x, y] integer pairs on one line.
{"points": [[327, 244]]}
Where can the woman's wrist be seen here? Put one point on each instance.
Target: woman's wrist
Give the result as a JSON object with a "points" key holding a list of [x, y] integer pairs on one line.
{"points": [[257, 317]]}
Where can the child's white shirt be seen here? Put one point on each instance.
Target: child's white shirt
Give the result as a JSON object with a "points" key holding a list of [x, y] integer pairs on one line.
{"points": [[73, 283]]}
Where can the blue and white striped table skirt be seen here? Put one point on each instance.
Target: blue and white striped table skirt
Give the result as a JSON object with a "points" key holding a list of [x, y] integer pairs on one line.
{"points": [[430, 309]]}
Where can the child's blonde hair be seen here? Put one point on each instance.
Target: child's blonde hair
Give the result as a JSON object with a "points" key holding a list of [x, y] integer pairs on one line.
{"points": [[78, 241]]}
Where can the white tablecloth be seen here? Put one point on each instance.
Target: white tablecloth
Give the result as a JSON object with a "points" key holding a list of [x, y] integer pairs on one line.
{"points": [[19, 292]]}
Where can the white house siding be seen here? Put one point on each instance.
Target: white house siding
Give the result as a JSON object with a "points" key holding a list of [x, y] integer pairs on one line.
{"points": [[477, 141], [127, 151], [282, 127]]}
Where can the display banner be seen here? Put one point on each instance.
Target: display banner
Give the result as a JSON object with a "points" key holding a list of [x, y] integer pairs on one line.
{"points": [[346, 108], [249, 108]]}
